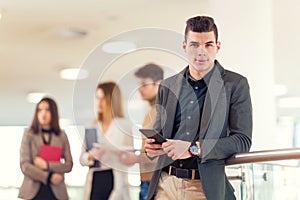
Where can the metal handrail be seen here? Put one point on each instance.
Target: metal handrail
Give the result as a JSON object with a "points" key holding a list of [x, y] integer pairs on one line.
{"points": [[264, 156]]}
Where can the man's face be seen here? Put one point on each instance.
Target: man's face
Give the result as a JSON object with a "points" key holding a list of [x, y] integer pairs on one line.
{"points": [[147, 88], [201, 50]]}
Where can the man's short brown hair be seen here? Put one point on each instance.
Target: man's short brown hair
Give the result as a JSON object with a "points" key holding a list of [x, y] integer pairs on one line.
{"points": [[150, 70], [201, 24]]}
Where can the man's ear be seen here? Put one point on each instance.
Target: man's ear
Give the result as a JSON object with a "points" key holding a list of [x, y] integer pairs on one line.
{"points": [[184, 45], [218, 45], [158, 82]]}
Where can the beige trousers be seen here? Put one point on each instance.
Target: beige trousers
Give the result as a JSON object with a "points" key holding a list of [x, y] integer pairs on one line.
{"points": [[173, 188]]}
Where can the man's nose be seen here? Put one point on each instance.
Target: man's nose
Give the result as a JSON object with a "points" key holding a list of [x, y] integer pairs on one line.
{"points": [[201, 51]]}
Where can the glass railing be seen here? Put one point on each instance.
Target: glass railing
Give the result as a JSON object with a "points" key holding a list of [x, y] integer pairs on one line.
{"points": [[266, 175], [258, 175]]}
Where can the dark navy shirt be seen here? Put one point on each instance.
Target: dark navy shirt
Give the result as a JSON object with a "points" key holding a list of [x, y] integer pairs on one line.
{"points": [[188, 113]]}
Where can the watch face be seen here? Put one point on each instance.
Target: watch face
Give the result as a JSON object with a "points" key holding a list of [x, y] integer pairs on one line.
{"points": [[194, 149]]}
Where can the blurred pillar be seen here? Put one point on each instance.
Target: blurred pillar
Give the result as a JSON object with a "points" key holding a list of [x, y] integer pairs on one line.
{"points": [[246, 35]]}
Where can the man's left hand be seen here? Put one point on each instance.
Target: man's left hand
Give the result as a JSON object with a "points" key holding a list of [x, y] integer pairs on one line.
{"points": [[177, 149]]}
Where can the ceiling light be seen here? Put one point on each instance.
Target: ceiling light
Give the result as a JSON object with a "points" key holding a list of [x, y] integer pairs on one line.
{"points": [[35, 97], [118, 47], [73, 74], [66, 33], [279, 90], [71, 33], [289, 102]]}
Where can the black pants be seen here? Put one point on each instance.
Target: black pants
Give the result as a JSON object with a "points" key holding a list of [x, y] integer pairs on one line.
{"points": [[45, 193], [102, 185]]}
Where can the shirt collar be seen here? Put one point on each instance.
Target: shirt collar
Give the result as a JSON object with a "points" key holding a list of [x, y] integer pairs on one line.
{"points": [[206, 78]]}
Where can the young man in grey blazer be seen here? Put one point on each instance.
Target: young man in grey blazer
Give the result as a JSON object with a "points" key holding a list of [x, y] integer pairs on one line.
{"points": [[205, 113]]}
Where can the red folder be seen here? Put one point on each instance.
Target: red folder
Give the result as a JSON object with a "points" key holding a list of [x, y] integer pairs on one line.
{"points": [[50, 153]]}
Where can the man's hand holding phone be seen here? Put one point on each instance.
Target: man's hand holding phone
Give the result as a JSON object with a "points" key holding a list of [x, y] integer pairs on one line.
{"points": [[153, 149], [153, 143]]}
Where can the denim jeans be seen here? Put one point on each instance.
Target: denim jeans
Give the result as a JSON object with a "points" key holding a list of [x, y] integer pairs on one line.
{"points": [[144, 189]]}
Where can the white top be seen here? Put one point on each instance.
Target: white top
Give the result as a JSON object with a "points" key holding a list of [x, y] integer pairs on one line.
{"points": [[117, 137]]}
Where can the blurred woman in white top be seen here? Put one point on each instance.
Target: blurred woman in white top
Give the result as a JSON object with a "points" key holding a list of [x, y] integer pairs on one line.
{"points": [[109, 179]]}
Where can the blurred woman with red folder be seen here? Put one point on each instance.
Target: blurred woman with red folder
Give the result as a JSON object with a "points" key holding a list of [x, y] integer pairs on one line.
{"points": [[109, 179], [45, 155]]}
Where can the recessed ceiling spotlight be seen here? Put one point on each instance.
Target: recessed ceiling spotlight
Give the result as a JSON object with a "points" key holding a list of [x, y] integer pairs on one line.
{"points": [[35, 97], [72, 33], [118, 47], [73, 74], [65, 33]]}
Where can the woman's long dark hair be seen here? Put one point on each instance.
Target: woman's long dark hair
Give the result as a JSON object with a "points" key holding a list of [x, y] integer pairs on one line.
{"points": [[35, 126]]}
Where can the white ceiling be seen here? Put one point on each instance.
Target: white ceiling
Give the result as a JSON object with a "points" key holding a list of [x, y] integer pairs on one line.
{"points": [[33, 48]]}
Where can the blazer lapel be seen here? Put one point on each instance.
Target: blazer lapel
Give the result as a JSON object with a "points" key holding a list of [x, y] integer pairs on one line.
{"points": [[212, 96], [173, 96]]}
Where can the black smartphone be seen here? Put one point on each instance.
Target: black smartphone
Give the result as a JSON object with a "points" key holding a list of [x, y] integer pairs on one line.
{"points": [[150, 133]]}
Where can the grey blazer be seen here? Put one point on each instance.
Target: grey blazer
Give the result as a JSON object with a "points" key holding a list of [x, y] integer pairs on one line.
{"points": [[33, 176], [225, 128]]}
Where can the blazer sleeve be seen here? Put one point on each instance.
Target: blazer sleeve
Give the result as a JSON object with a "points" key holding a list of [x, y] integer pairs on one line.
{"points": [[158, 121], [26, 160], [239, 128], [149, 120], [67, 165], [158, 105]]}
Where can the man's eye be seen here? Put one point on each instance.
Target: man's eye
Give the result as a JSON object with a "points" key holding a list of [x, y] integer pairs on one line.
{"points": [[194, 45]]}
